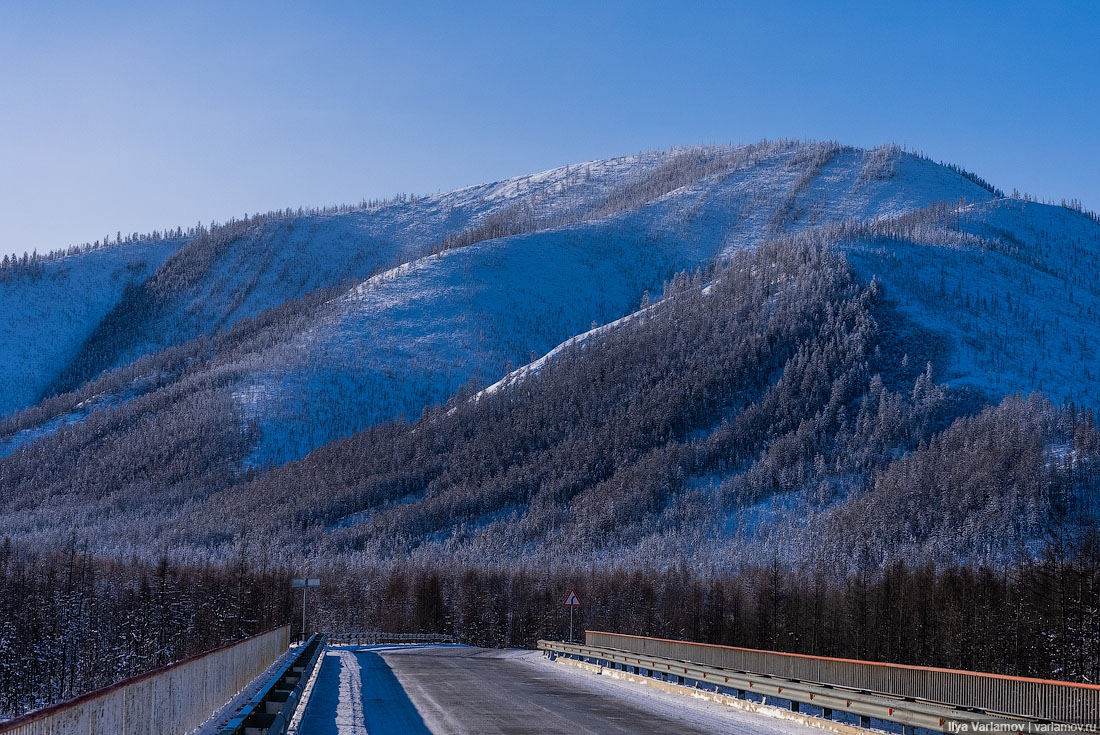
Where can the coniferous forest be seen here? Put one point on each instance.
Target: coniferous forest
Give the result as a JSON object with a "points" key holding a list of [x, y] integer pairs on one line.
{"points": [[98, 621]]}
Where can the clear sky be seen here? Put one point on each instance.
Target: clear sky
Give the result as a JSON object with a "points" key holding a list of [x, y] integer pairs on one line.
{"points": [[143, 115]]}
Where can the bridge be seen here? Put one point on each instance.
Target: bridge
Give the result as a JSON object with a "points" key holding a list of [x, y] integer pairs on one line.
{"points": [[370, 683]]}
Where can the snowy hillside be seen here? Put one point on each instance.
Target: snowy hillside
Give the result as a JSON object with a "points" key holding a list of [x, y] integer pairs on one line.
{"points": [[237, 272], [594, 238], [413, 336], [49, 314], [1017, 310]]}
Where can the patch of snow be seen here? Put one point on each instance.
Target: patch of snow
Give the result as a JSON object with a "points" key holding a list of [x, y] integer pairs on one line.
{"points": [[1022, 317], [694, 711], [48, 317]]}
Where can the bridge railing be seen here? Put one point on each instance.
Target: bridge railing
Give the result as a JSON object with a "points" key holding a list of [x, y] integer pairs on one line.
{"points": [[374, 637], [171, 700], [1039, 699]]}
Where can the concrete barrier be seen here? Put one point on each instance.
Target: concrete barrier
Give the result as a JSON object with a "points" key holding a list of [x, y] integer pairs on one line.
{"points": [[173, 700]]}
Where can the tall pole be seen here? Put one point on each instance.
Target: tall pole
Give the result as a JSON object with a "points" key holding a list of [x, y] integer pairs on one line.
{"points": [[570, 624], [304, 583]]}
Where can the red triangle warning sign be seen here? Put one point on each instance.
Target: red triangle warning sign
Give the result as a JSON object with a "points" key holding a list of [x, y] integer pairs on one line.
{"points": [[572, 600]]}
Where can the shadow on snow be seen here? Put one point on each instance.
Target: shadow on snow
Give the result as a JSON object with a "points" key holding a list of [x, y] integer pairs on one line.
{"points": [[356, 693]]}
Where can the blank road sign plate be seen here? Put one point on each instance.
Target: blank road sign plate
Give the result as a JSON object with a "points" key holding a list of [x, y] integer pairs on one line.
{"points": [[572, 600], [305, 583]]}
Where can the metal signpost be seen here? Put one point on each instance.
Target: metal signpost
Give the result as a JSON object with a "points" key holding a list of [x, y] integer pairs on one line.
{"points": [[571, 602], [304, 584]]}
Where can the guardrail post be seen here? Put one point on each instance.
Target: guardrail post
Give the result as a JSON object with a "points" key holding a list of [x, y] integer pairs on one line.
{"points": [[864, 721]]}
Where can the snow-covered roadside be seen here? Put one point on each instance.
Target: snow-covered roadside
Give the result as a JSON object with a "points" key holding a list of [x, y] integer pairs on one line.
{"points": [[695, 707]]}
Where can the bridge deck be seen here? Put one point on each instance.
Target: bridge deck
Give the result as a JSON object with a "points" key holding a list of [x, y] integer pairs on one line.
{"points": [[458, 689]]}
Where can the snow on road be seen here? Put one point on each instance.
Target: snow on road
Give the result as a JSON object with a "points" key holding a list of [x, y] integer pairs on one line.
{"points": [[350, 719], [458, 689]]}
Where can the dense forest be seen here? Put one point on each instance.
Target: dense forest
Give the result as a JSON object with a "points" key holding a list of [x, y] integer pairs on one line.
{"points": [[761, 408], [1039, 618], [72, 621]]}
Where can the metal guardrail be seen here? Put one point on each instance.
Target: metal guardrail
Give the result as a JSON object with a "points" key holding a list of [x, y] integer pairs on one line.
{"points": [[1037, 699], [270, 710], [369, 638], [827, 700]]}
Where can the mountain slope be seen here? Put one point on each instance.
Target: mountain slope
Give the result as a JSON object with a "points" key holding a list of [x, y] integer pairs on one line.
{"points": [[50, 310], [1017, 303], [603, 235], [760, 412], [236, 271], [675, 429]]}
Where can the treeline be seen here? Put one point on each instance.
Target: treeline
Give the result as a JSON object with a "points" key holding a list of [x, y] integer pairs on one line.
{"points": [[71, 621], [1039, 618], [31, 262], [1073, 204], [969, 175]]}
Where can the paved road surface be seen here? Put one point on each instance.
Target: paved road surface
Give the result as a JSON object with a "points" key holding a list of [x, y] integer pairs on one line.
{"points": [[379, 690]]}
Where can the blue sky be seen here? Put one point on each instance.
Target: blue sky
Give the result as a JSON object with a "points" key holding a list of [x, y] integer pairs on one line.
{"points": [[135, 116]]}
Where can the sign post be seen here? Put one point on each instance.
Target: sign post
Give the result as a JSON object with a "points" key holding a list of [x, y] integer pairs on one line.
{"points": [[571, 602], [304, 584]]}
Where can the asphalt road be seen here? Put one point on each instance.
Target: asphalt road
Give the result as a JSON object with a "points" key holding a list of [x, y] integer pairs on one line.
{"points": [[378, 690]]}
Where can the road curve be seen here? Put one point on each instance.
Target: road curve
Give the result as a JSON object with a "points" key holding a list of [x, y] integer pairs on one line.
{"points": [[459, 690]]}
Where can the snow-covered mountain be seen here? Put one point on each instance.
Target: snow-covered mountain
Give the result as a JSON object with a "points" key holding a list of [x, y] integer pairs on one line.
{"points": [[400, 331], [187, 366]]}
